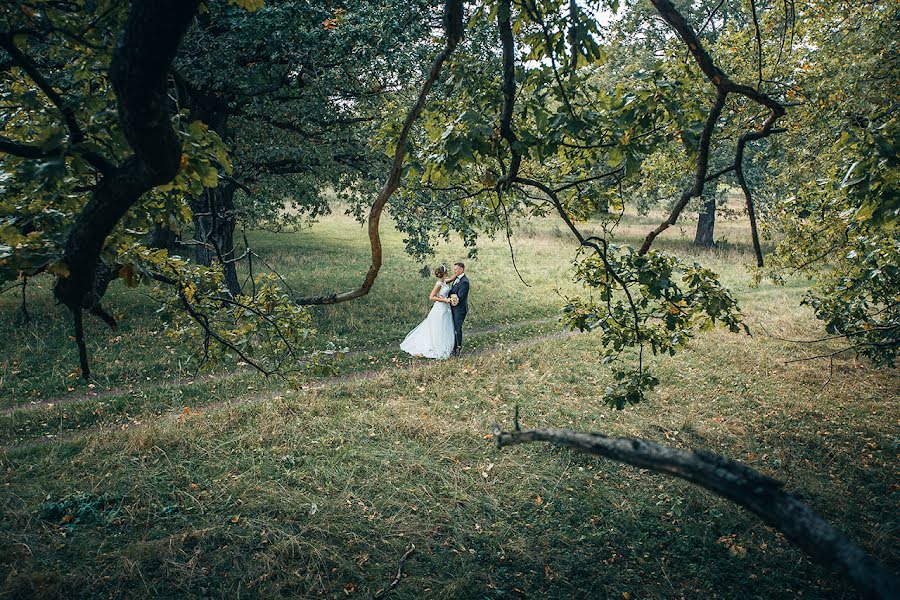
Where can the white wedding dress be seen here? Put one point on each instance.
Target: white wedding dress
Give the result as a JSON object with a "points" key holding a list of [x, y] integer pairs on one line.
{"points": [[433, 338]]}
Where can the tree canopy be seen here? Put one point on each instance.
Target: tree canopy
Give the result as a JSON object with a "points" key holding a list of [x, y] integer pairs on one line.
{"points": [[459, 119]]}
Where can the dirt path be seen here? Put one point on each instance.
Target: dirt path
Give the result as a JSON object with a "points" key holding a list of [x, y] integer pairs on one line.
{"points": [[172, 415], [222, 376]]}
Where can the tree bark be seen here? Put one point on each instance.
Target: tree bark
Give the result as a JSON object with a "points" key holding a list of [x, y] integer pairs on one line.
{"points": [[138, 73], [706, 223], [737, 482], [214, 223]]}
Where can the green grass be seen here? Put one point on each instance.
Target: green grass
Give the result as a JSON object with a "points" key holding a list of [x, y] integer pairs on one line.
{"points": [[261, 491]]}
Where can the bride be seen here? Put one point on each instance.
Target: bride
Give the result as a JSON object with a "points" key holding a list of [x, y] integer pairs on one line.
{"points": [[433, 338]]}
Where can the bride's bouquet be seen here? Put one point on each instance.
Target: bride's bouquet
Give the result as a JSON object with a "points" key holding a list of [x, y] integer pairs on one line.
{"points": [[454, 299]]}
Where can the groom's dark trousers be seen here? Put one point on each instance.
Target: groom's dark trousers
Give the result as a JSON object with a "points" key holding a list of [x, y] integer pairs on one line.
{"points": [[459, 312]]}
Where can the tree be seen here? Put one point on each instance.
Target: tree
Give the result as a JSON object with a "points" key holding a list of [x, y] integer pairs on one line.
{"points": [[293, 91], [329, 76], [540, 121], [532, 118], [107, 158]]}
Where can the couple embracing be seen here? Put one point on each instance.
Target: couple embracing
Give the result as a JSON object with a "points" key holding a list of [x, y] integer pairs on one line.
{"points": [[440, 334]]}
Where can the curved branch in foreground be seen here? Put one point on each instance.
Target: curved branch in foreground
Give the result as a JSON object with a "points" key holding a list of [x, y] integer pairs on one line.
{"points": [[453, 14], [739, 483]]}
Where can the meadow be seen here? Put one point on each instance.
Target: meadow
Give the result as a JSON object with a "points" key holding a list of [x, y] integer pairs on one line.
{"points": [[165, 478]]}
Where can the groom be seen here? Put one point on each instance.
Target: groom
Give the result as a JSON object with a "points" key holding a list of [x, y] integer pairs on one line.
{"points": [[460, 287]]}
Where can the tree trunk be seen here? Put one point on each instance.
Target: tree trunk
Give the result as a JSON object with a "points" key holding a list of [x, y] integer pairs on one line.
{"points": [[214, 223], [139, 76], [214, 217], [163, 237], [706, 224]]}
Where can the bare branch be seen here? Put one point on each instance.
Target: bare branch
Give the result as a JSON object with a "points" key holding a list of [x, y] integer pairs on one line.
{"points": [[578, 182], [382, 593], [737, 482], [600, 249]]}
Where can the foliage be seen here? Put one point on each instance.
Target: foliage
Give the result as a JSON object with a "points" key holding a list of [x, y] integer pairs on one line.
{"points": [[839, 219], [545, 107], [264, 328], [652, 299]]}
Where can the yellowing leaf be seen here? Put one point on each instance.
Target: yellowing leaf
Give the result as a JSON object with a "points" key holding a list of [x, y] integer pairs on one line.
{"points": [[58, 268], [248, 5]]}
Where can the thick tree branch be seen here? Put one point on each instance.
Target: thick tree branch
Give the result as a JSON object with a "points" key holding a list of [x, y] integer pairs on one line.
{"points": [[675, 19], [600, 249], [504, 24], [453, 27], [735, 481], [22, 150], [699, 173], [138, 73]]}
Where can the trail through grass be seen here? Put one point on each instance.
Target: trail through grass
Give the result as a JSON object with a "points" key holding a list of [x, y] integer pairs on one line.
{"points": [[249, 489]]}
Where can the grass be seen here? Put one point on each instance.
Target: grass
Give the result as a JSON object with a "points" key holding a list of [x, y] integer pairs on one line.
{"points": [[259, 491]]}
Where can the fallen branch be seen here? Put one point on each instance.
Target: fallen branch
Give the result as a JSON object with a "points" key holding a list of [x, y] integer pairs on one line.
{"points": [[739, 483], [385, 591]]}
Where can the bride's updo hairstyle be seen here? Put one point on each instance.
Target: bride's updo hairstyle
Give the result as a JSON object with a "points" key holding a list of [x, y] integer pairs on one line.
{"points": [[441, 271]]}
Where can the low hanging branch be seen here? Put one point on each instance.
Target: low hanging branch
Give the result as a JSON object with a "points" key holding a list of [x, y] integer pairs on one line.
{"points": [[453, 28], [724, 86], [599, 245], [739, 483]]}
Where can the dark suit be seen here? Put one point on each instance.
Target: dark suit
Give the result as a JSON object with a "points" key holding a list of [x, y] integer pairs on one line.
{"points": [[461, 288]]}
